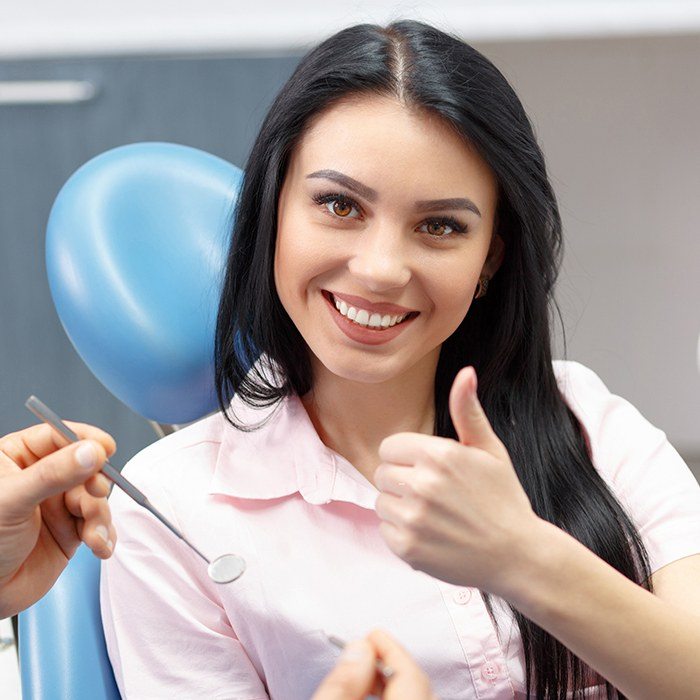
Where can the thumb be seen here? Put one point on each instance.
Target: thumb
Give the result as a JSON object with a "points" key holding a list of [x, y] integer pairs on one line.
{"points": [[470, 421], [353, 676], [56, 473]]}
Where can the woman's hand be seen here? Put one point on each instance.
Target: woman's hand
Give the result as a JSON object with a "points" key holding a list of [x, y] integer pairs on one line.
{"points": [[355, 675], [456, 510], [51, 498]]}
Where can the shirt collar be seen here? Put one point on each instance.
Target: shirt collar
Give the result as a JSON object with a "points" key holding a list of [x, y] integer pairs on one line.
{"points": [[283, 457]]}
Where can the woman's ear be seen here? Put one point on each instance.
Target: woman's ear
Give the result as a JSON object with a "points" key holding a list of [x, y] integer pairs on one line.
{"points": [[495, 256]]}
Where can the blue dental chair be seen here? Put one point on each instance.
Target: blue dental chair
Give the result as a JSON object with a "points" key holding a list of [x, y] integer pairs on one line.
{"points": [[135, 250]]}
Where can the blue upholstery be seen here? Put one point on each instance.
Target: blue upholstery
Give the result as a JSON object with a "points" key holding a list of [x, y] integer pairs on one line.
{"points": [[135, 252], [61, 645], [135, 249]]}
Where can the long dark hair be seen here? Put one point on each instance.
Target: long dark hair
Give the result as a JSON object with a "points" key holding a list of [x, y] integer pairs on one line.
{"points": [[505, 335]]}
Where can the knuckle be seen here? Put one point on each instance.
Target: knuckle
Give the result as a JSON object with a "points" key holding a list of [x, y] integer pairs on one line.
{"points": [[442, 456], [408, 521], [450, 451], [379, 504], [411, 516], [10, 445], [72, 501], [48, 472], [426, 485], [379, 474], [407, 545], [420, 513], [94, 508], [440, 467], [385, 447]]}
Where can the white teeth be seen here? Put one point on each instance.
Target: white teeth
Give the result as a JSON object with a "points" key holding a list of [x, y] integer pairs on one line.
{"points": [[362, 317]]}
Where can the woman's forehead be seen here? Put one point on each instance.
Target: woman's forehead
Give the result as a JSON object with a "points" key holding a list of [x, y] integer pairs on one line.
{"points": [[379, 141], [376, 118]]}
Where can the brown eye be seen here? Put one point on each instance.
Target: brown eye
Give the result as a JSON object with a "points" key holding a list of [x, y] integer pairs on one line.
{"points": [[341, 207], [443, 228], [435, 228], [338, 205]]}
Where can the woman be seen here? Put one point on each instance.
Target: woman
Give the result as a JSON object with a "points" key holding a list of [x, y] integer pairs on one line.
{"points": [[395, 237]]}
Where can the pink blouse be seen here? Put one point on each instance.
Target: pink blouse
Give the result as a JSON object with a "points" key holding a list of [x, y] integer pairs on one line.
{"points": [[303, 518]]}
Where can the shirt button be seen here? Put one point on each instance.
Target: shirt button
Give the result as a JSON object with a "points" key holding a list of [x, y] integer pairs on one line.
{"points": [[490, 671], [462, 596]]}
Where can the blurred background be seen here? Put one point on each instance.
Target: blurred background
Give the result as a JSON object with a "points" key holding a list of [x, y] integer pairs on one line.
{"points": [[612, 88]]}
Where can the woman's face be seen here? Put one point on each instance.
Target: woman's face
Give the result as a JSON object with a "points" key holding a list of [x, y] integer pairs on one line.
{"points": [[355, 220]]}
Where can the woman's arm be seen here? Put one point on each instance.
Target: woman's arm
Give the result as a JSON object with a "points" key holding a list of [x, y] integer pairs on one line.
{"points": [[644, 645], [458, 512]]}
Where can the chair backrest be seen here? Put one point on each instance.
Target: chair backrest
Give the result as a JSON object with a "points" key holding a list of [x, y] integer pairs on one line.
{"points": [[135, 250], [61, 644]]}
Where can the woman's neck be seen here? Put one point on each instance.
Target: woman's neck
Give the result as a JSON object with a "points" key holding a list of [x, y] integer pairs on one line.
{"points": [[352, 418]]}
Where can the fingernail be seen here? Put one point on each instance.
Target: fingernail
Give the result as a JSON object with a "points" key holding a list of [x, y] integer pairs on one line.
{"points": [[86, 455], [103, 533], [355, 651]]}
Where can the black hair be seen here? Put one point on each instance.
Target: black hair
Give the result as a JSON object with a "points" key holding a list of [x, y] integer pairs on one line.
{"points": [[505, 335]]}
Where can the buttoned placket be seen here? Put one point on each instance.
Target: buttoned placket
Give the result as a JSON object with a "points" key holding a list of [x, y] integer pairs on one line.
{"points": [[477, 637]]}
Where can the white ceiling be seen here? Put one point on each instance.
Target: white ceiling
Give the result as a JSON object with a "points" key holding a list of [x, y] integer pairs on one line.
{"points": [[74, 27]]}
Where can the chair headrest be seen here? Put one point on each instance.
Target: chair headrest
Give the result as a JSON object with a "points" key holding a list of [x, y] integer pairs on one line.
{"points": [[135, 252]]}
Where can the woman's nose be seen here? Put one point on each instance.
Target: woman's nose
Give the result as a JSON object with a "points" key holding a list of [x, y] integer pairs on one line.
{"points": [[381, 258]]}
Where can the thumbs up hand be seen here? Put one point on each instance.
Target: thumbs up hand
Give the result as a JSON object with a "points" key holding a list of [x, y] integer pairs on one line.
{"points": [[456, 510]]}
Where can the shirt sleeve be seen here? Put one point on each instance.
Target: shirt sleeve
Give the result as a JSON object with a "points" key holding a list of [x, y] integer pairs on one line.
{"points": [[647, 475], [167, 635]]}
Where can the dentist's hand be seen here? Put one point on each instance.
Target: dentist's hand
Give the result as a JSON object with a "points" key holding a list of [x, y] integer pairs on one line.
{"points": [[355, 675], [51, 498]]}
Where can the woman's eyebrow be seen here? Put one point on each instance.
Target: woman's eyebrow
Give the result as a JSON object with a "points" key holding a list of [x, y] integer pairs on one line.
{"points": [[363, 190], [453, 203], [371, 195]]}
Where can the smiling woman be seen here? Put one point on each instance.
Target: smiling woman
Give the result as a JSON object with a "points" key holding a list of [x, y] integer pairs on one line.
{"points": [[400, 245], [395, 225]]}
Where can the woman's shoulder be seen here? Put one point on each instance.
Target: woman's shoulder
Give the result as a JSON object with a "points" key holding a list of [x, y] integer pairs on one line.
{"points": [[191, 450], [601, 412], [614, 428], [624, 445], [645, 472], [590, 399], [186, 460], [576, 378]]}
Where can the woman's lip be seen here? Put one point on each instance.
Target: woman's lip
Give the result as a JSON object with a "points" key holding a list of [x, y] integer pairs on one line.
{"points": [[366, 335], [360, 303]]}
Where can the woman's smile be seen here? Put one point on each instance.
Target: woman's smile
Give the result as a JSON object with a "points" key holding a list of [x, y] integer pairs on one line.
{"points": [[371, 330], [363, 313]]}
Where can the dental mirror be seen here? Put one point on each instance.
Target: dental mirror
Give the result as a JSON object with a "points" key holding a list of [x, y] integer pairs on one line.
{"points": [[223, 569], [227, 567]]}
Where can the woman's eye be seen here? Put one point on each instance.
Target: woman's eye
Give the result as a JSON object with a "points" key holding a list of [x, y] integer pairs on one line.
{"points": [[337, 205], [341, 208], [443, 228]]}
